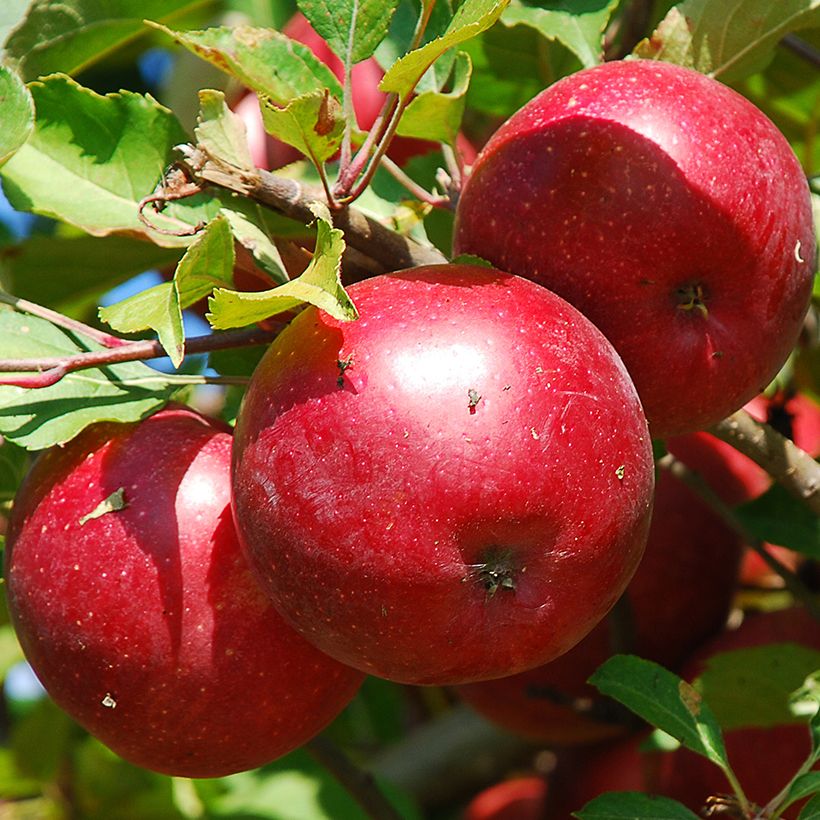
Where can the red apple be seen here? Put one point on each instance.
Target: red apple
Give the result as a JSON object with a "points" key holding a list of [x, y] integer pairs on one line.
{"points": [[679, 597], [764, 759], [520, 798], [455, 487], [671, 212], [144, 623]]}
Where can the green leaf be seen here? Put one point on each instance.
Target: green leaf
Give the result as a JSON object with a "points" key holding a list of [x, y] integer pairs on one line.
{"points": [[319, 285], [16, 112], [265, 60], [664, 700], [252, 232], [207, 263], [91, 159], [779, 518], [811, 811], [36, 419], [10, 652], [220, 132], [352, 28], [733, 45], [752, 687], [71, 274], [577, 25], [633, 806], [14, 463], [436, 116], [472, 17], [802, 786], [670, 42], [72, 34], [313, 124]]}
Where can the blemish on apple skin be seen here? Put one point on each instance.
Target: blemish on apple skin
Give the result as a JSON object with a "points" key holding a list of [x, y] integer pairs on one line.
{"points": [[108, 701], [797, 252], [718, 354], [619, 472], [343, 365], [474, 397]]}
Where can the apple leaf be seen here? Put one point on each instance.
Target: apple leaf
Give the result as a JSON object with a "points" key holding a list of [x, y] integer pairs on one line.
{"points": [[40, 418], [633, 806], [811, 811], [752, 687], [779, 518], [72, 34], [728, 46], [435, 115], [70, 274], [352, 28], [265, 60], [472, 17], [10, 651], [578, 26], [92, 158], [220, 132], [17, 113], [207, 263], [250, 230], [801, 787], [313, 124], [664, 700], [319, 285], [14, 462]]}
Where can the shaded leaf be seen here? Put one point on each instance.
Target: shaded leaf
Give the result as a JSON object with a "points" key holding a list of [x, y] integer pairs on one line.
{"points": [[265, 60], [472, 17], [352, 28], [14, 463], [70, 35], [319, 285], [670, 42], [664, 700], [36, 419], [577, 25], [220, 132], [250, 230], [92, 158], [634, 806], [802, 786], [16, 113], [435, 115], [313, 124], [811, 811]]}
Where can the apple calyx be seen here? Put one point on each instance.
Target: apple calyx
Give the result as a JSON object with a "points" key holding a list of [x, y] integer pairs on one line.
{"points": [[496, 572], [691, 298]]}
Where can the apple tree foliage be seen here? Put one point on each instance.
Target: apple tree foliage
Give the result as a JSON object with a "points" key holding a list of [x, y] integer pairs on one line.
{"points": [[126, 168]]}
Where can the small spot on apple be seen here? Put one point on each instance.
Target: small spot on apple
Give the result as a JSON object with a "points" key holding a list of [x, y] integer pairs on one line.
{"points": [[474, 397], [108, 701], [619, 472], [343, 365]]}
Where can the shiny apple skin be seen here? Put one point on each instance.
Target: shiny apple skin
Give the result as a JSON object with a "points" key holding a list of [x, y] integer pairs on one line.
{"points": [[679, 597], [623, 184], [146, 624], [478, 425]]}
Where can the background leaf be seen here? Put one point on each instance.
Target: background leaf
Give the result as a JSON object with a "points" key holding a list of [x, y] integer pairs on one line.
{"points": [[578, 24], [634, 806], [16, 113], [91, 159], [352, 28], [36, 419], [70, 35], [220, 132]]}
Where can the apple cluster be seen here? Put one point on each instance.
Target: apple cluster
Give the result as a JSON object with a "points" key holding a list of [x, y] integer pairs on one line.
{"points": [[456, 488]]}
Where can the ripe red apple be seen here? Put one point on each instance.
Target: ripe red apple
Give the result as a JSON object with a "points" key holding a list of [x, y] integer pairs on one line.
{"points": [[520, 798], [144, 623], [455, 487], [680, 596], [367, 103], [671, 212], [764, 759]]}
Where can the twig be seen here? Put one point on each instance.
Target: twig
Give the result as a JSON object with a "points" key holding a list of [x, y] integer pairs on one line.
{"points": [[49, 370], [802, 48], [795, 469], [292, 199], [359, 783], [691, 479], [418, 191], [99, 336]]}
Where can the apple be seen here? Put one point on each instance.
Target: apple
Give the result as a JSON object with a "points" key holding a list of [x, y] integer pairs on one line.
{"points": [[519, 798], [455, 487], [679, 597], [667, 209], [367, 103], [764, 759], [144, 622]]}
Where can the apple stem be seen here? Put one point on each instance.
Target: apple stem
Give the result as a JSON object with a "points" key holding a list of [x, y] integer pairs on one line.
{"points": [[359, 783], [792, 467], [421, 193], [691, 479]]}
